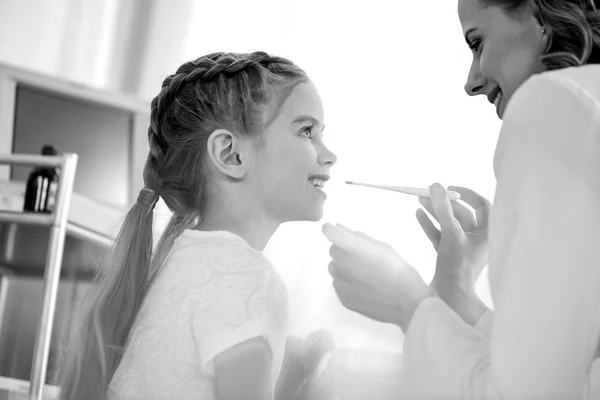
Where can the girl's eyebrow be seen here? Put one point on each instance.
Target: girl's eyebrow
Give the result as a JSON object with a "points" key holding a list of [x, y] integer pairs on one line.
{"points": [[304, 118]]}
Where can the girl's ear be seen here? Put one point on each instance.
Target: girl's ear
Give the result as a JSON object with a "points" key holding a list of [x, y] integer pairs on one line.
{"points": [[228, 153]]}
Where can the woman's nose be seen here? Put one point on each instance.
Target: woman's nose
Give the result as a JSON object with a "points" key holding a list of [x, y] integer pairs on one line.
{"points": [[475, 81], [473, 89]]}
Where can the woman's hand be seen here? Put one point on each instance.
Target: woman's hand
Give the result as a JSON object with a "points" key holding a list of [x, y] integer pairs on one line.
{"points": [[370, 278], [462, 246]]}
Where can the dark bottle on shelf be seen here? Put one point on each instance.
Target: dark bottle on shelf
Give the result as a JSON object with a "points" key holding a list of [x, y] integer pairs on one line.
{"points": [[40, 193]]}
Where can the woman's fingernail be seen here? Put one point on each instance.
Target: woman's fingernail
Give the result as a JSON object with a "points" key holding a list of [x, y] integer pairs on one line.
{"points": [[437, 190]]}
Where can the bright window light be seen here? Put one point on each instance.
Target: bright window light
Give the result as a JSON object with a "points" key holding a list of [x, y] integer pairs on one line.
{"points": [[391, 78]]}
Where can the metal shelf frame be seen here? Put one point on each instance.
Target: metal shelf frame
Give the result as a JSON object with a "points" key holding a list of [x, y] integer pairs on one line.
{"points": [[59, 226]]}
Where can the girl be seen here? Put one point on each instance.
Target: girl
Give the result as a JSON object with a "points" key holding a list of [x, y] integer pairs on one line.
{"points": [[235, 150]]}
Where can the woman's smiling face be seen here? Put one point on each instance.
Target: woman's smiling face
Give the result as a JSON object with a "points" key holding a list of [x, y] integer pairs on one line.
{"points": [[506, 49]]}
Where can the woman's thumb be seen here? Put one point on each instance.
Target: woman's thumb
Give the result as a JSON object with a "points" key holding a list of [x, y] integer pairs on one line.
{"points": [[442, 207]]}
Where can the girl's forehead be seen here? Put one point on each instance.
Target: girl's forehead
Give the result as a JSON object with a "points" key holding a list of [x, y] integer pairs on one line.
{"points": [[300, 102], [303, 100]]}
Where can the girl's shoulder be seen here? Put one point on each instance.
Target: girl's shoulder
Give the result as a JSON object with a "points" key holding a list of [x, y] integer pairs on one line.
{"points": [[222, 261], [221, 251]]}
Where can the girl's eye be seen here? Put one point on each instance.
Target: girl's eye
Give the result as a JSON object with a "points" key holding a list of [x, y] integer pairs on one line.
{"points": [[307, 132]]}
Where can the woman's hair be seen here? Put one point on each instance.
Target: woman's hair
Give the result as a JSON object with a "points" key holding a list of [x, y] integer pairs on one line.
{"points": [[573, 27], [238, 92]]}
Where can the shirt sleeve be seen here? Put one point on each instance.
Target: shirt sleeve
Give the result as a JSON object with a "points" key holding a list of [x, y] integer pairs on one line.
{"points": [[544, 271], [240, 305]]}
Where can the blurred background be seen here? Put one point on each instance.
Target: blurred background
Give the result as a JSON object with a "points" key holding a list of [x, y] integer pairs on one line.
{"points": [[391, 76]]}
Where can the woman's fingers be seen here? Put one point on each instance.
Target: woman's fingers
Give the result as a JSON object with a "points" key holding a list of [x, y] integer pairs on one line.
{"points": [[443, 209], [430, 230], [334, 271], [360, 234], [426, 203], [463, 215], [480, 204]]}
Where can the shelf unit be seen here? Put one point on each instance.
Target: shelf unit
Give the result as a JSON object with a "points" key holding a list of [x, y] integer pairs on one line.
{"points": [[60, 226], [74, 230]]}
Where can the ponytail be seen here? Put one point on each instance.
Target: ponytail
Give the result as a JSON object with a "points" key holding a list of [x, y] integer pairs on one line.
{"points": [[86, 368]]}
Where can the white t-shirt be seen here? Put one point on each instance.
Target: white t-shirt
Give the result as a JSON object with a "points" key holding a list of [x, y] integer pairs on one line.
{"points": [[544, 267], [213, 292]]}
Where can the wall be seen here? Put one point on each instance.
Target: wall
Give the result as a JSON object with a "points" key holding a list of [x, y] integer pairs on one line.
{"points": [[110, 44]]}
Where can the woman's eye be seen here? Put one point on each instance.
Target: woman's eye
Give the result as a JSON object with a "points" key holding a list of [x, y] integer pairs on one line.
{"points": [[476, 45]]}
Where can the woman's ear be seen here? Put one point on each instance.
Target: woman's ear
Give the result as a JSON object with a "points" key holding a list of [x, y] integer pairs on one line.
{"points": [[545, 38], [542, 31], [228, 153]]}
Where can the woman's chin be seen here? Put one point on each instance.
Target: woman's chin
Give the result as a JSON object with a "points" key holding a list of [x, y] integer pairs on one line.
{"points": [[501, 109]]}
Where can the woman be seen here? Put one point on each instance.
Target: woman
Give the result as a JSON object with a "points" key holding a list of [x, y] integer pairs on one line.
{"points": [[536, 62]]}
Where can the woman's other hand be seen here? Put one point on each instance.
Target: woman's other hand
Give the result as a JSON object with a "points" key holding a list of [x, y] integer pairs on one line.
{"points": [[371, 278]]}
